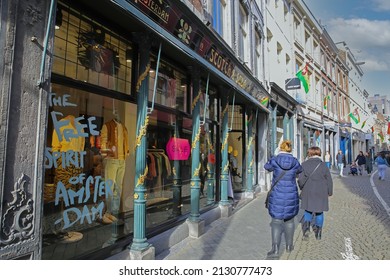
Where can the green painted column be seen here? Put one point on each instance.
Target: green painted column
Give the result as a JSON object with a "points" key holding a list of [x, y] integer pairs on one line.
{"points": [[195, 147], [210, 169], [141, 170], [274, 143], [224, 150], [250, 158]]}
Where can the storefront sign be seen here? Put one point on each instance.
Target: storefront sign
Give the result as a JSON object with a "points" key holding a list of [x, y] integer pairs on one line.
{"points": [[178, 149], [168, 15]]}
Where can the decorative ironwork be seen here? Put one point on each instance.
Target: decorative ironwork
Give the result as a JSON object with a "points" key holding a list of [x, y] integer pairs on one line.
{"points": [[196, 139], [196, 99], [142, 132], [142, 77], [141, 178], [17, 222]]}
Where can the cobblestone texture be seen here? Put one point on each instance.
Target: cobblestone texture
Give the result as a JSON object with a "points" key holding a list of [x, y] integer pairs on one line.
{"points": [[357, 226]]}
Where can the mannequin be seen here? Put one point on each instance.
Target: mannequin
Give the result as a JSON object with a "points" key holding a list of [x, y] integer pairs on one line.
{"points": [[114, 149], [64, 173]]}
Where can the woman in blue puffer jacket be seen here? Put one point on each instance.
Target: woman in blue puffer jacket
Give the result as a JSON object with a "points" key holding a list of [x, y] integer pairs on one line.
{"points": [[284, 199]]}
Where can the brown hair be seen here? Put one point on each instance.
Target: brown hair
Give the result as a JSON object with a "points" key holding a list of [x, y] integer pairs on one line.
{"points": [[313, 151], [286, 146]]}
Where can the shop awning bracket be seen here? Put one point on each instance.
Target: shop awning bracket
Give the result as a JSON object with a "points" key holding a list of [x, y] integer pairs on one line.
{"points": [[206, 99], [150, 110], [231, 121], [45, 44]]}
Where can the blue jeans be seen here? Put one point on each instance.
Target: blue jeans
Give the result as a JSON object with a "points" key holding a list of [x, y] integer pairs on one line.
{"points": [[319, 222], [341, 167]]}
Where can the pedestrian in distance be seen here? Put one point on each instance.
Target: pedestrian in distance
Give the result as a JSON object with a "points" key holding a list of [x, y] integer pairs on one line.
{"points": [[368, 162], [283, 199], [328, 159], [316, 186], [340, 160], [361, 161], [382, 165]]}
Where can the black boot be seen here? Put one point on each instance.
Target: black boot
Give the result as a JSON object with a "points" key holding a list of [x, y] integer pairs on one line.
{"points": [[305, 230], [289, 234], [318, 232], [276, 233]]}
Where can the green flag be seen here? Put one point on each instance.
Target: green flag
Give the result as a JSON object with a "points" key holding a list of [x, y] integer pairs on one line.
{"points": [[303, 76]]}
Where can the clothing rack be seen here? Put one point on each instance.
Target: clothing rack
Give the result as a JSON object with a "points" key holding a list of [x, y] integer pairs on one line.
{"points": [[156, 150]]}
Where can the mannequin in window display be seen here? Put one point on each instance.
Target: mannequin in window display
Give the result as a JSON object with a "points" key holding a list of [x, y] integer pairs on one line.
{"points": [[66, 170], [114, 149]]}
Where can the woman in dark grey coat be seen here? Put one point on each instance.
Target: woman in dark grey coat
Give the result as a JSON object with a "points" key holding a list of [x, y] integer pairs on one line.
{"points": [[316, 184]]}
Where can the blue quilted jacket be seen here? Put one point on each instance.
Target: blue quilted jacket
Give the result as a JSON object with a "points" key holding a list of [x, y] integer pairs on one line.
{"points": [[284, 199]]}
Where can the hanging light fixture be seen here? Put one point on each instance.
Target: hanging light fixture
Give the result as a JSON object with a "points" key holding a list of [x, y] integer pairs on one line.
{"points": [[128, 55], [58, 18]]}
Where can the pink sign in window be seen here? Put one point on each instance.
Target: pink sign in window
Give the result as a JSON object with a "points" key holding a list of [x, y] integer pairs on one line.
{"points": [[178, 149]]}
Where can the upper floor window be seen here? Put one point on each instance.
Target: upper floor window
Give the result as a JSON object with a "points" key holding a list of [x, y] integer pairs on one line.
{"points": [[257, 55], [218, 10], [242, 32]]}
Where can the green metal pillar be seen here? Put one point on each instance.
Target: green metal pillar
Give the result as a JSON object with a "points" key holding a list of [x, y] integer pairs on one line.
{"points": [[195, 148], [141, 170], [274, 143], [224, 151], [210, 169], [250, 158]]}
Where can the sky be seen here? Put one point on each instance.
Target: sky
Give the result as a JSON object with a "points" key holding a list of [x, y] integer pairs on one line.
{"points": [[365, 26]]}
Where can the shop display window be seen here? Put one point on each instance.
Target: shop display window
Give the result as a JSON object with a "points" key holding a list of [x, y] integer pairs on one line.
{"points": [[86, 51], [171, 87], [89, 177]]}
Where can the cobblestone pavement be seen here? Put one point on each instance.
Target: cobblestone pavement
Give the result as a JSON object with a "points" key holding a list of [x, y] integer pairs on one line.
{"points": [[356, 227]]}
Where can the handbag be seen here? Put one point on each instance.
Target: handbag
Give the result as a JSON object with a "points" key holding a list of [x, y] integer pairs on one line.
{"points": [[308, 179], [272, 186]]}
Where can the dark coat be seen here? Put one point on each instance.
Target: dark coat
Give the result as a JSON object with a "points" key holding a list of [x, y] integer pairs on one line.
{"points": [[318, 187], [360, 159], [284, 199]]}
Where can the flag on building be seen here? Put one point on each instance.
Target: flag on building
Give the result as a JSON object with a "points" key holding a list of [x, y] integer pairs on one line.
{"points": [[388, 128], [326, 101], [303, 76], [372, 129], [264, 101], [355, 116], [381, 136], [364, 123]]}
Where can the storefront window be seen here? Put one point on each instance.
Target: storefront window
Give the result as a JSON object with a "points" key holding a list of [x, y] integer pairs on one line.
{"points": [[89, 178], [171, 87], [86, 51]]}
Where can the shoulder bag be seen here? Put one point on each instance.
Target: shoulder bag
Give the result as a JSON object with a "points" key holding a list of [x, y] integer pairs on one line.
{"points": [[269, 192]]}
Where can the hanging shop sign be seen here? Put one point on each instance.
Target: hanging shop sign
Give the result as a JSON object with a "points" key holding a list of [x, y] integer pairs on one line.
{"points": [[169, 16], [178, 149]]}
